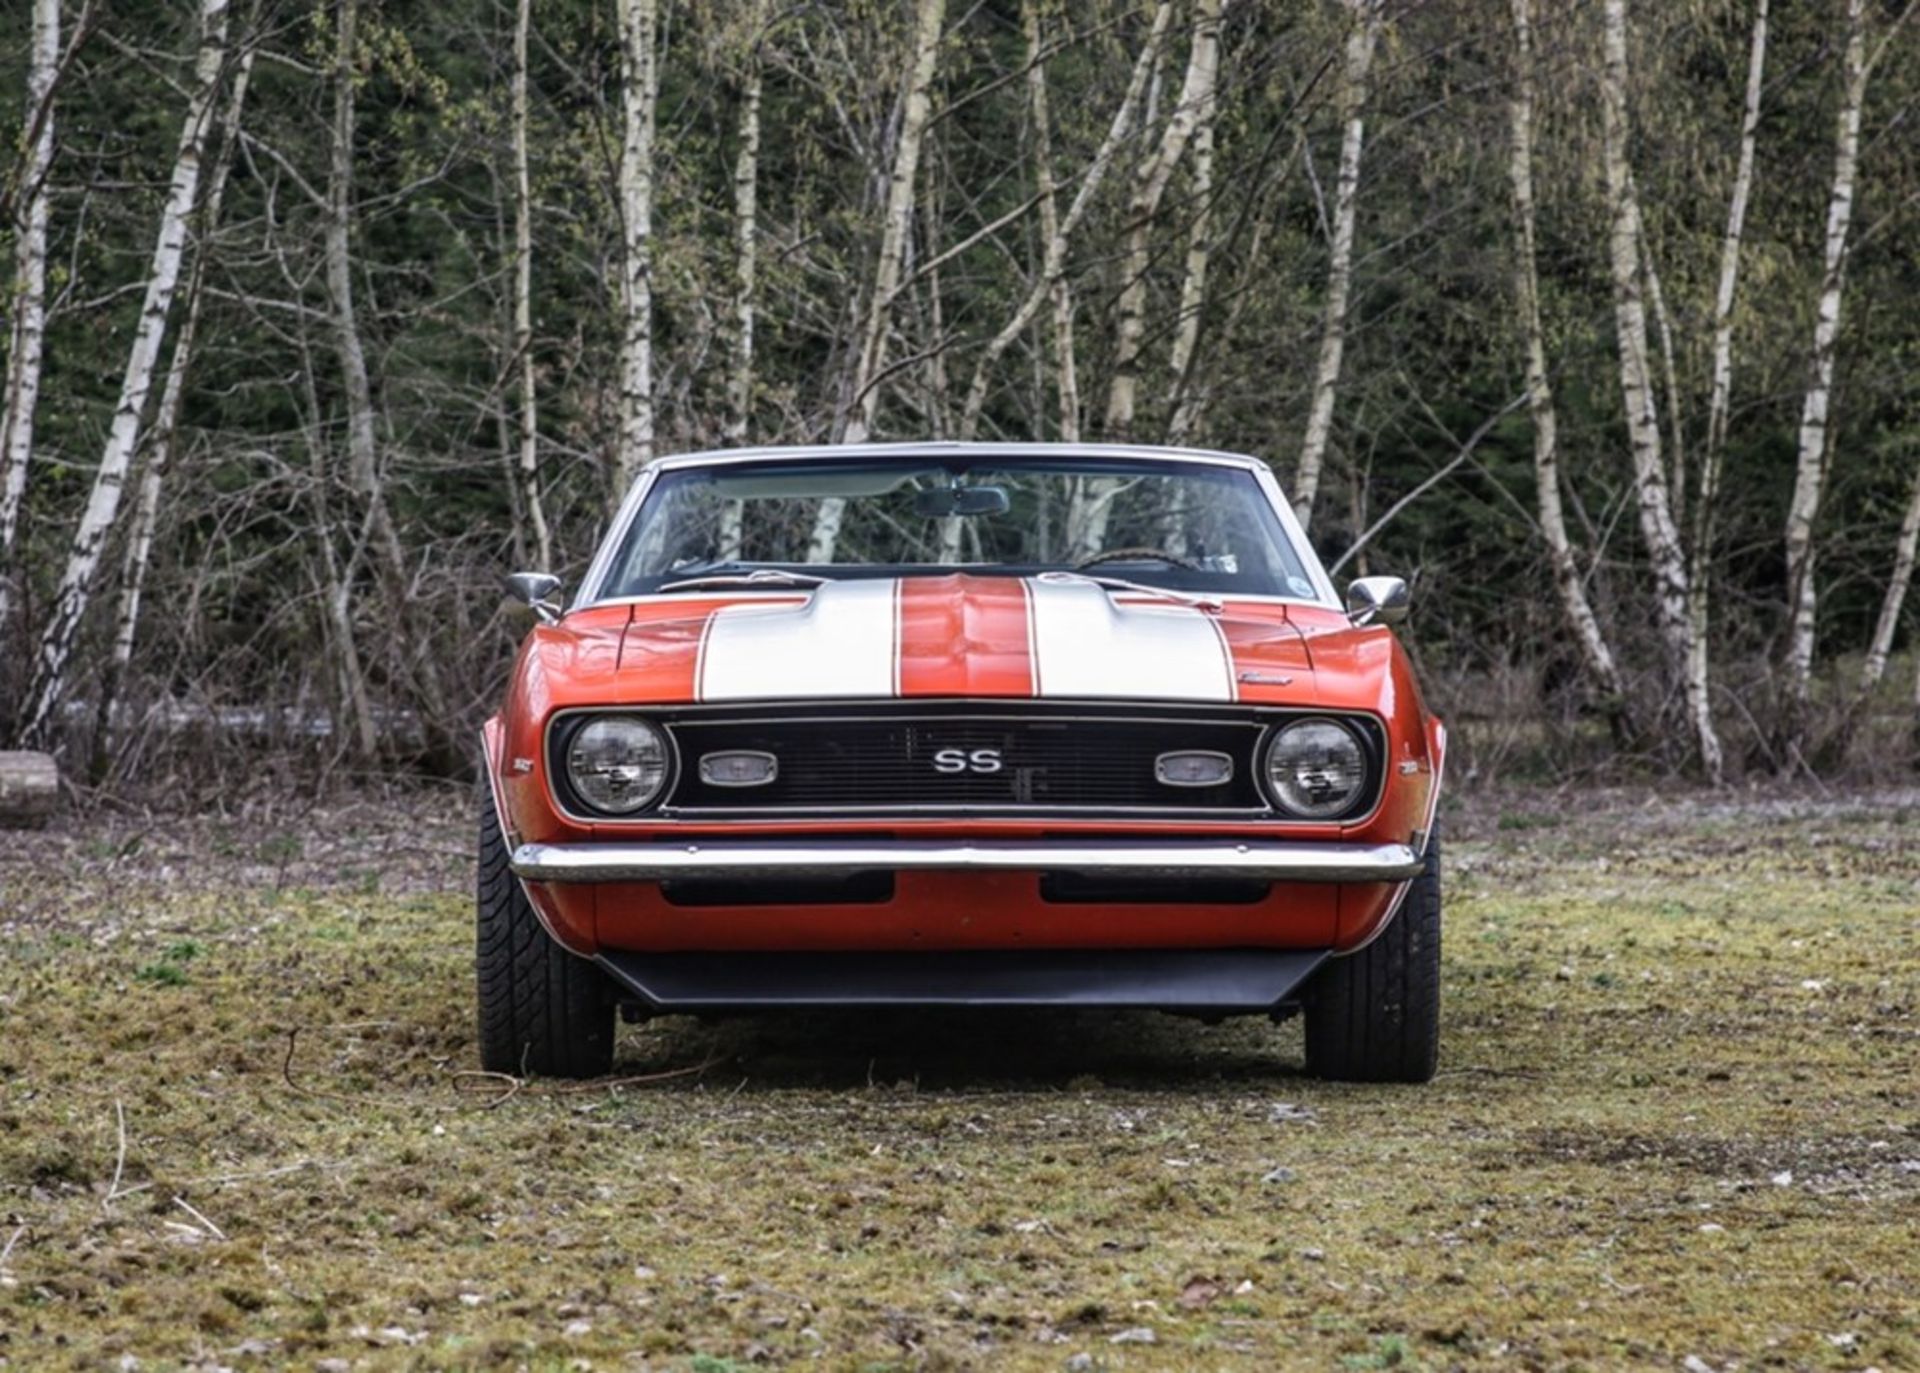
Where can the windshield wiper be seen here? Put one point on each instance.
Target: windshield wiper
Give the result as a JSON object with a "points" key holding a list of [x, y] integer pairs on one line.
{"points": [[759, 577], [1210, 604]]}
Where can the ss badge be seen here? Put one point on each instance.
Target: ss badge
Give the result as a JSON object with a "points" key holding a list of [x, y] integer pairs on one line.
{"points": [[956, 760]]}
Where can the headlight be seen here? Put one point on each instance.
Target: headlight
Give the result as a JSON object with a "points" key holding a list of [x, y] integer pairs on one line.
{"points": [[617, 764], [1316, 768]]}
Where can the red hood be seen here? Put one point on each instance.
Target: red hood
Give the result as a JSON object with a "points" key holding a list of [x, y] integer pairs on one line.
{"points": [[948, 636]]}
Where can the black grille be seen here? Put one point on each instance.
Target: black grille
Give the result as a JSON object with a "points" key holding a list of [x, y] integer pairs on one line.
{"points": [[1046, 762]]}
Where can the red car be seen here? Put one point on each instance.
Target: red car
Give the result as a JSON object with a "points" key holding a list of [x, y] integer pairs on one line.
{"points": [[980, 725]]}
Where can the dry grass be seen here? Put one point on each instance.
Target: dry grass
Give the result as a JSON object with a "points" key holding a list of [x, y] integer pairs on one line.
{"points": [[1677, 1118]]}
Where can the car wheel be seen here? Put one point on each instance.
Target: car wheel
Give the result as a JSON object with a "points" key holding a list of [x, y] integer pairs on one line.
{"points": [[543, 1011], [1374, 1016]]}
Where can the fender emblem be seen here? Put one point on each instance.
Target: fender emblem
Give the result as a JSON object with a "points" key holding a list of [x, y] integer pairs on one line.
{"points": [[1265, 678], [523, 765]]}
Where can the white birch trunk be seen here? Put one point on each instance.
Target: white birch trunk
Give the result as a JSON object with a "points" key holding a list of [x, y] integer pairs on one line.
{"points": [[746, 239], [639, 66], [1657, 527], [53, 663], [1149, 186], [161, 434], [1810, 469], [898, 222], [528, 467], [363, 446], [29, 294], [1064, 352], [1881, 648], [1591, 640], [1052, 284], [1706, 495], [862, 405], [1183, 399], [1367, 18], [1670, 377]]}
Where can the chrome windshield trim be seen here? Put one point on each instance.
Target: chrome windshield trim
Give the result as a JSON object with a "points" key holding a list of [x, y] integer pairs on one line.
{"points": [[1189, 859]]}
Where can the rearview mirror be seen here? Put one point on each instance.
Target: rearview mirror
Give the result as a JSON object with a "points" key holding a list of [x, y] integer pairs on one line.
{"points": [[537, 591], [1378, 600], [940, 502]]}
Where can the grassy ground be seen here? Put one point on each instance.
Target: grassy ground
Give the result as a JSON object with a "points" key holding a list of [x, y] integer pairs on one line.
{"points": [[1677, 1120]]}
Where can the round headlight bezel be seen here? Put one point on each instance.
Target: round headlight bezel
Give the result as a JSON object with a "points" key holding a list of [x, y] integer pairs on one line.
{"points": [[1354, 805], [581, 795]]}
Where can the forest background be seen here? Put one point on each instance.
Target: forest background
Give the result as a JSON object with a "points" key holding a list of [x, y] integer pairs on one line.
{"points": [[1596, 320]]}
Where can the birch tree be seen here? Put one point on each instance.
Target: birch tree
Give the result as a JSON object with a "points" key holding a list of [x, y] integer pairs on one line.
{"points": [[1052, 284], [28, 307], [1720, 397], [528, 465], [1367, 17], [49, 682], [1183, 401], [1814, 443], [1595, 652], [746, 231], [162, 433], [1149, 187], [414, 650], [1893, 600], [640, 90], [1657, 527], [861, 404], [897, 221]]}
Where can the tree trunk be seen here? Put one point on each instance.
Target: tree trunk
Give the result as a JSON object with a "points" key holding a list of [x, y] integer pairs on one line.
{"points": [[1149, 186], [861, 404], [29, 294], [29, 789], [1895, 598], [1591, 640], [161, 434], [1183, 399], [1657, 526], [52, 667], [640, 76], [746, 237], [413, 648], [1706, 496], [918, 110], [1367, 18], [1053, 257], [1814, 441], [528, 469], [1052, 283]]}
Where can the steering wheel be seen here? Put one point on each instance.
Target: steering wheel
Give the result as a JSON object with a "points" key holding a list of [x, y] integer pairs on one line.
{"points": [[1135, 555]]}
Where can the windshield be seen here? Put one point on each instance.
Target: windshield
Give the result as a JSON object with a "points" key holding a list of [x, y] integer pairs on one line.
{"points": [[1181, 526]]}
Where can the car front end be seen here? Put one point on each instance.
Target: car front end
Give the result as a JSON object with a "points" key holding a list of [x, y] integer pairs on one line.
{"points": [[991, 779]]}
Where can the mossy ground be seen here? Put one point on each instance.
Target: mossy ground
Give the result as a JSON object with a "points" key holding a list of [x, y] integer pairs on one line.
{"points": [[1677, 1118]]}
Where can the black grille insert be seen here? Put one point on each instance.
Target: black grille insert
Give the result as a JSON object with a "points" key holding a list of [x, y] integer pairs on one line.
{"points": [[974, 758]]}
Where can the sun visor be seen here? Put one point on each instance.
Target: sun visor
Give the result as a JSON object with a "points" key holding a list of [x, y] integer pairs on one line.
{"points": [[819, 481]]}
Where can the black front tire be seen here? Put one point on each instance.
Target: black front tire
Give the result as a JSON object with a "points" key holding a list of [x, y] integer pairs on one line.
{"points": [[1374, 1016], [544, 1012]]}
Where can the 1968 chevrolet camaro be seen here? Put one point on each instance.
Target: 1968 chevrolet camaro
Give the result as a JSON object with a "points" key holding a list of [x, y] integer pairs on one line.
{"points": [[975, 725]]}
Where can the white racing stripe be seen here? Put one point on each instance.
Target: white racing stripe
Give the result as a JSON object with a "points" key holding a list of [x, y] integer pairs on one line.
{"points": [[1085, 645], [841, 642]]}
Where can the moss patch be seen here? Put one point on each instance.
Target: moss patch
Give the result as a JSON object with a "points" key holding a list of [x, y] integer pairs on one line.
{"points": [[1677, 1117]]}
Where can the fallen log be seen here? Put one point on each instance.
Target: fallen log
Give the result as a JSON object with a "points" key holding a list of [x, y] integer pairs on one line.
{"points": [[29, 788]]}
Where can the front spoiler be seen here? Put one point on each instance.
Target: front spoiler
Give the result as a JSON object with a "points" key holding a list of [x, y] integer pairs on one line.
{"points": [[1206, 982], [1187, 859]]}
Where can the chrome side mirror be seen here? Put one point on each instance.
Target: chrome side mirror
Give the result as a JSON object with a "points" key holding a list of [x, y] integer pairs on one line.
{"points": [[1378, 601], [536, 591]]}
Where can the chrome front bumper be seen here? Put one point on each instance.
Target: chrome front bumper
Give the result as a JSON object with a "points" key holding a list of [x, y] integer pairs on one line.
{"points": [[1262, 862]]}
